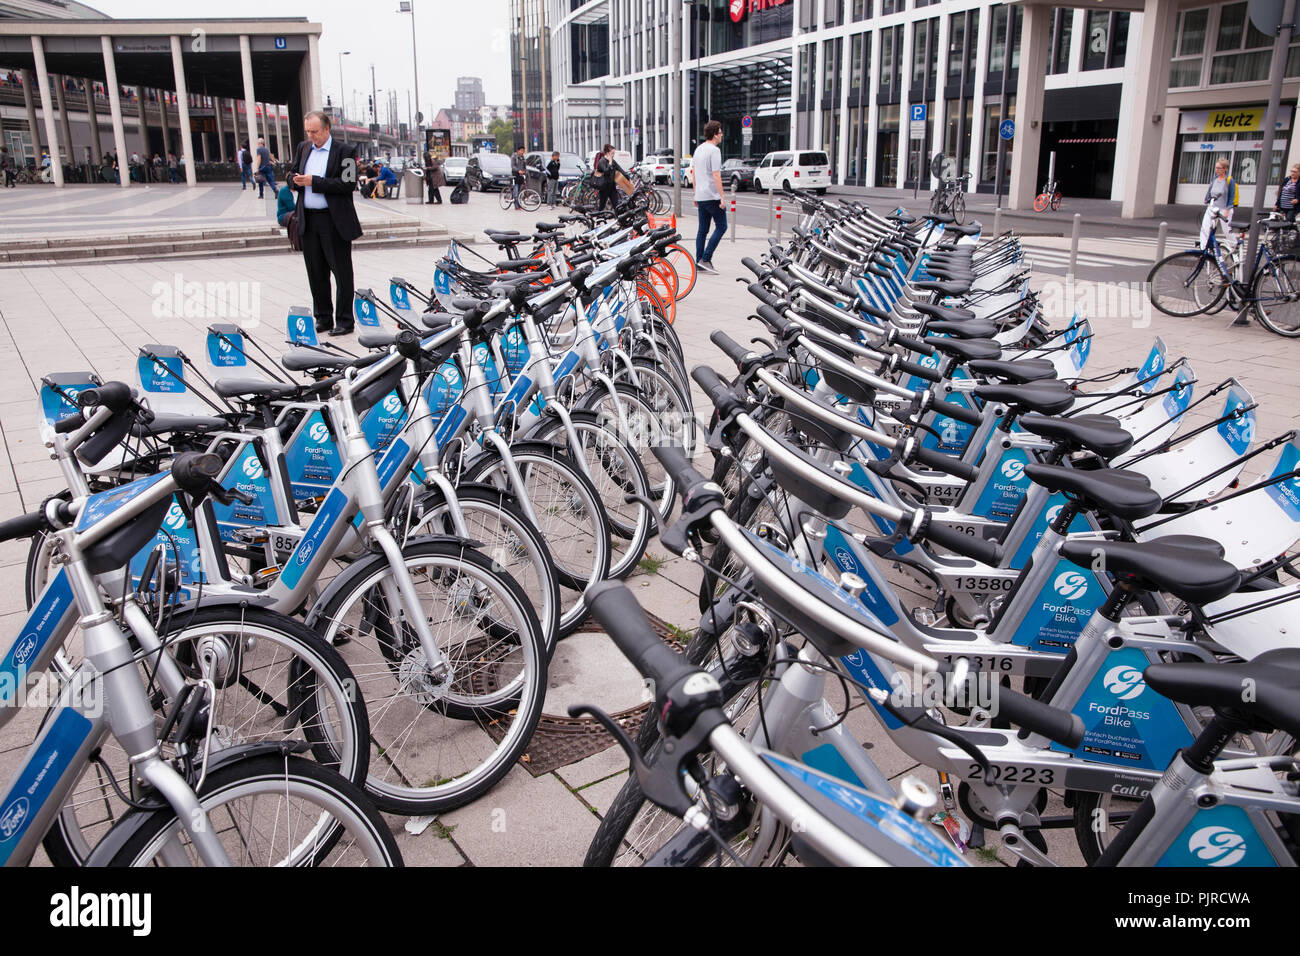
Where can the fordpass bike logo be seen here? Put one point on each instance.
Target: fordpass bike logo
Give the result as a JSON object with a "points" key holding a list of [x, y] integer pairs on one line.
{"points": [[1071, 585], [1052, 513], [1213, 846], [252, 468], [392, 404], [175, 517], [223, 345], [318, 432], [11, 821], [1124, 682], [1013, 469]]}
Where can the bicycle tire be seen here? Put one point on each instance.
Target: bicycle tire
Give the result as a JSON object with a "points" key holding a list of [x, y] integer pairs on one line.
{"points": [[494, 519], [959, 208], [505, 199], [1191, 277], [1277, 285], [1056, 200], [530, 200], [616, 471], [425, 756], [1040, 202], [683, 264], [581, 524], [340, 808], [317, 682]]}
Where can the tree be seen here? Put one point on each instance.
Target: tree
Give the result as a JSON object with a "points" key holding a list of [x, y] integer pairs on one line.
{"points": [[504, 131]]}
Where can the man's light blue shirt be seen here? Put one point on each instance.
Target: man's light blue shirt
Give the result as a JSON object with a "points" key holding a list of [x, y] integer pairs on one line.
{"points": [[317, 160]]}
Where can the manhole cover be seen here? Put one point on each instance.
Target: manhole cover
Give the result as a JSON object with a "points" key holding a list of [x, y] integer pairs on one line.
{"points": [[561, 740]]}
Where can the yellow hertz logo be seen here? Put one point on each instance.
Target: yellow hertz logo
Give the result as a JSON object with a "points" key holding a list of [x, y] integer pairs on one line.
{"points": [[1222, 121]]}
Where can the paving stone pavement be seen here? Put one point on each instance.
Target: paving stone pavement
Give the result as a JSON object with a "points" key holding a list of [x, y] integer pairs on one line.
{"points": [[93, 317]]}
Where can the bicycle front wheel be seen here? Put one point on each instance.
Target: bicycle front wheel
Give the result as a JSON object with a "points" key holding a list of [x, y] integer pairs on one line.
{"points": [[1185, 284], [530, 200], [269, 811], [275, 679], [506, 199], [1275, 295], [959, 208], [438, 742]]}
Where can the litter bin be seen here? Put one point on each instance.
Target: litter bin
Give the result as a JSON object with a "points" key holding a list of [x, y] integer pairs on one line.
{"points": [[413, 184]]}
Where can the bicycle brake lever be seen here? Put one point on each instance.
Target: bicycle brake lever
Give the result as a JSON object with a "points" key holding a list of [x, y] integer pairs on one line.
{"points": [[650, 506], [659, 788]]}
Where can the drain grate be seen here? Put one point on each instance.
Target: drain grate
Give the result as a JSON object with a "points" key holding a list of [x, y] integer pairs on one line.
{"points": [[561, 740]]}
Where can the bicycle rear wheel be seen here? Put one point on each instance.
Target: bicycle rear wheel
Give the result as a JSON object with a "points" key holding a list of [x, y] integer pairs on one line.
{"points": [[1185, 284], [506, 199], [684, 265], [530, 200], [959, 208], [1275, 294]]}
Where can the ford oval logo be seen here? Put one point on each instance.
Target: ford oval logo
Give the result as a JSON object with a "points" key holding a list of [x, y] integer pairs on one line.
{"points": [[11, 821], [24, 650]]}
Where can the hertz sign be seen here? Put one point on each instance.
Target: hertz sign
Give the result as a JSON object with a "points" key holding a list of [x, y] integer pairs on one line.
{"points": [[739, 8]]}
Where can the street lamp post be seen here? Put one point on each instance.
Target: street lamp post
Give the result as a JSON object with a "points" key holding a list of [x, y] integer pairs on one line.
{"points": [[343, 93], [408, 6], [674, 118]]}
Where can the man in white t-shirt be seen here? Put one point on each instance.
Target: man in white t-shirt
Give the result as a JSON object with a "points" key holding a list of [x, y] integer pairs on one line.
{"points": [[707, 162]]}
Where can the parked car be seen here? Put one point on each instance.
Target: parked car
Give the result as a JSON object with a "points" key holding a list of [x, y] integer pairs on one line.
{"points": [[688, 172], [656, 169], [794, 170], [571, 165], [453, 168], [738, 174], [486, 171]]}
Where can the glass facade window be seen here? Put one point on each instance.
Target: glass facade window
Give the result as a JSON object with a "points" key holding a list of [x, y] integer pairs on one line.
{"points": [[1189, 48], [1062, 31], [892, 6], [925, 59], [887, 145], [957, 137], [861, 10], [998, 39], [989, 159], [1242, 53], [1105, 40], [956, 44]]}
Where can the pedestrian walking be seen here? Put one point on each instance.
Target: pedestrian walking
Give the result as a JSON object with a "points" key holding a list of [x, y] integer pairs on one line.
{"points": [[171, 168], [245, 160], [605, 169], [265, 168], [434, 177], [553, 180], [707, 172], [324, 176], [7, 170], [1220, 200], [1288, 197]]}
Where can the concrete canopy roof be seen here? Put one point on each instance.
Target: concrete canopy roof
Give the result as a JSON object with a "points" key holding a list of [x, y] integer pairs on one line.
{"points": [[142, 52]]}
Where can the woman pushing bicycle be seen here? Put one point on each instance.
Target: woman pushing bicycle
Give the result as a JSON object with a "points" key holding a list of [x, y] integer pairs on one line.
{"points": [[1221, 196]]}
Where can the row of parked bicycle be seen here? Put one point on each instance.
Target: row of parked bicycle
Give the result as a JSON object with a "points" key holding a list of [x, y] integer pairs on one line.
{"points": [[908, 424], [282, 593], [276, 605]]}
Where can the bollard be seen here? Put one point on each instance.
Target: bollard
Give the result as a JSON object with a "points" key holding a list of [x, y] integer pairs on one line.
{"points": [[1074, 246], [733, 212], [997, 221], [771, 196], [1161, 236], [778, 222]]}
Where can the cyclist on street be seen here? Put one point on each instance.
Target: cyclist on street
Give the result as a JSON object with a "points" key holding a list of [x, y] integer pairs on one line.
{"points": [[1221, 196]]}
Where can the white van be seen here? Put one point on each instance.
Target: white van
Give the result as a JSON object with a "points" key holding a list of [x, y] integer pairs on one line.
{"points": [[796, 169], [621, 156]]}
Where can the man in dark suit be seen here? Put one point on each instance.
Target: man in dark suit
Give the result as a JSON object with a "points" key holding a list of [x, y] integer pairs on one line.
{"points": [[324, 175]]}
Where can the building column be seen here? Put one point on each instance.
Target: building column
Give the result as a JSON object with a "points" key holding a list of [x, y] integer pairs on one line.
{"points": [[183, 114], [29, 101], [1293, 154], [47, 108], [207, 147], [975, 161], [1155, 50], [279, 135], [115, 111], [815, 128], [870, 122], [939, 127], [221, 135], [61, 100], [846, 64], [96, 148], [164, 124], [144, 130], [1035, 47], [905, 108], [250, 104]]}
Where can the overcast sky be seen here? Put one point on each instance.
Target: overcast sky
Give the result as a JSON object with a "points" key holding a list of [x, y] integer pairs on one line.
{"points": [[454, 38]]}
